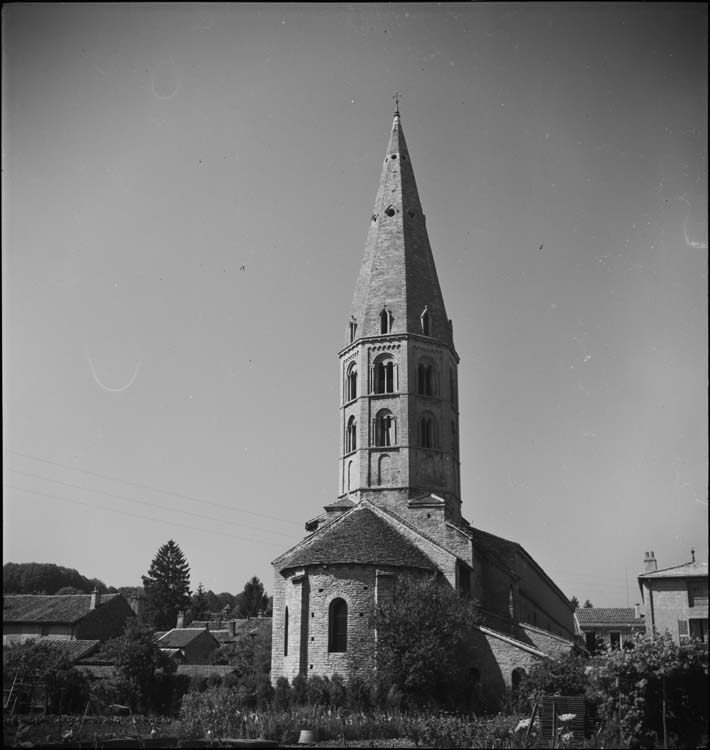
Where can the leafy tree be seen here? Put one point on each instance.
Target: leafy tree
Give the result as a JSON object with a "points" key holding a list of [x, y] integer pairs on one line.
{"points": [[69, 590], [138, 662], [199, 604], [45, 578], [226, 600], [66, 688], [587, 604], [423, 642], [574, 602], [167, 585], [252, 599], [213, 602], [631, 685], [562, 676]]}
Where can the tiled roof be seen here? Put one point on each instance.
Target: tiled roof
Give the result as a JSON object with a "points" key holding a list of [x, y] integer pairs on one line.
{"points": [[48, 608], [181, 637], [607, 616], [76, 649], [689, 570], [358, 536]]}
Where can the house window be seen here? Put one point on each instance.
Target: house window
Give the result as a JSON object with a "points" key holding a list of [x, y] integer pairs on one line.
{"points": [[384, 428], [351, 383], [425, 379], [425, 320], [351, 436], [615, 640], [286, 632], [386, 321], [338, 626], [699, 629], [383, 376], [682, 631], [697, 593]]}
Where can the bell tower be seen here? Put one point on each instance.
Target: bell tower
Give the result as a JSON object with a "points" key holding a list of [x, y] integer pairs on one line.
{"points": [[399, 368]]}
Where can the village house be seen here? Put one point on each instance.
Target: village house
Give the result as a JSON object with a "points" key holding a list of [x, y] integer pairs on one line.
{"points": [[188, 645], [676, 599], [64, 617], [610, 627], [398, 510]]}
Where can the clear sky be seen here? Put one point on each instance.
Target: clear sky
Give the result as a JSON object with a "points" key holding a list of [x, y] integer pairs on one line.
{"points": [[186, 196]]}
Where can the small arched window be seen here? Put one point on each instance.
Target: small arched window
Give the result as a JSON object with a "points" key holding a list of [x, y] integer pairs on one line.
{"points": [[351, 436], [425, 379], [454, 440], [452, 386], [351, 384], [383, 380], [286, 632], [352, 328], [426, 432], [338, 626], [384, 428], [425, 320], [386, 321]]}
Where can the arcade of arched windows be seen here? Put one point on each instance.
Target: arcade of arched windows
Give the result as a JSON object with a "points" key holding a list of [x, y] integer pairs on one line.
{"points": [[428, 431], [384, 431], [351, 435], [427, 379], [384, 375]]}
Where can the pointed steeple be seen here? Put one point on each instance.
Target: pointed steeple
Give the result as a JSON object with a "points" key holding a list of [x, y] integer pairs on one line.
{"points": [[398, 274]]}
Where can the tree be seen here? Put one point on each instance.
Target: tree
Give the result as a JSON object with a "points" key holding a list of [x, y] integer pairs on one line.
{"points": [[167, 586], [226, 600], [138, 662], [574, 602], [66, 689], [252, 600], [423, 642], [587, 604], [199, 604]]}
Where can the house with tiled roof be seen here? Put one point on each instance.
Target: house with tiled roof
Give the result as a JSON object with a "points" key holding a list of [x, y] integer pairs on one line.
{"points": [[675, 599], [188, 645], [398, 510], [611, 627], [64, 617]]}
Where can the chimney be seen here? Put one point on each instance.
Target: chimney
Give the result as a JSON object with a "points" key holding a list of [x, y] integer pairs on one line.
{"points": [[180, 619], [637, 611], [95, 599], [232, 628], [692, 554], [649, 563]]}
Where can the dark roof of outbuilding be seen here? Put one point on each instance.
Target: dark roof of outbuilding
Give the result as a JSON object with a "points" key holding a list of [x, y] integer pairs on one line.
{"points": [[48, 607], [358, 536], [607, 616], [181, 637]]}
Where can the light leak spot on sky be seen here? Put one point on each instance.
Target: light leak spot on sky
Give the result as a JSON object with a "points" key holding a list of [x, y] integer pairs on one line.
{"points": [[105, 387], [164, 78]]}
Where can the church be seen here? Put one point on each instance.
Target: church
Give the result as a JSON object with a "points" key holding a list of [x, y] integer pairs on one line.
{"points": [[398, 507]]}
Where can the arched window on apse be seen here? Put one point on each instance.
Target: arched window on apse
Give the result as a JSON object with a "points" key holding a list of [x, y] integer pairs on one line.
{"points": [[338, 626]]}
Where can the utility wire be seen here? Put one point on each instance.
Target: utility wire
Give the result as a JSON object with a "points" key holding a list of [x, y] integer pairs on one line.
{"points": [[135, 515], [154, 505], [152, 489]]}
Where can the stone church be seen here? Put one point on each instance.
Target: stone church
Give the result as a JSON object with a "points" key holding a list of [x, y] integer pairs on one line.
{"points": [[398, 509]]}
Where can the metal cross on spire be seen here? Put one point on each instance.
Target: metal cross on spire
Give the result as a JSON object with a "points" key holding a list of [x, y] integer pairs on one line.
{"points": [[396, 96]]}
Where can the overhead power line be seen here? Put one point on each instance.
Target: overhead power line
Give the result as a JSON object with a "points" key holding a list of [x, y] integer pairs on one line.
{"points": [[150, 504], [135, 515], [151, 488]]}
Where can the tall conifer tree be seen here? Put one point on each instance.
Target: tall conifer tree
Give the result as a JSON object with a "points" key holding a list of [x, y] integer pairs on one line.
{"points": [[167, 586]]}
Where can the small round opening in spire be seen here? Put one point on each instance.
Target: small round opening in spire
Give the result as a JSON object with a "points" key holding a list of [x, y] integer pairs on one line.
{"points": [[394, 156], [389, 211]]}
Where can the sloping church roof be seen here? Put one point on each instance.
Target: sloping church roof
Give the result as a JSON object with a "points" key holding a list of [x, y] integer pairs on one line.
{"points": [[358, 536]]}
